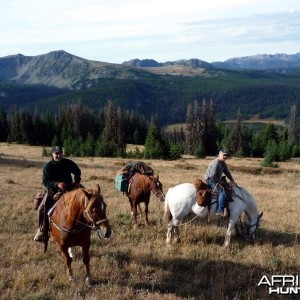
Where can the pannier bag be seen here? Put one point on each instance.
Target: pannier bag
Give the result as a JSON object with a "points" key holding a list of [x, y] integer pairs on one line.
{"points": [[121, 183]]}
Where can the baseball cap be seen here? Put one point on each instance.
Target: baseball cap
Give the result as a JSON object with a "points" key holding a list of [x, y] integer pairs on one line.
{"points": [[56, 149], [224, 152]]}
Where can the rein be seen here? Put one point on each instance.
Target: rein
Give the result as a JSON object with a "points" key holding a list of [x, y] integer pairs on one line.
{"points": [[238, 196], [156, 193], [190, 221]]}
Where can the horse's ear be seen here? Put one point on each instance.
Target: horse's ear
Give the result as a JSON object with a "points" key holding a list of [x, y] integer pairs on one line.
{"points": [[87, 194], [97, 189]]}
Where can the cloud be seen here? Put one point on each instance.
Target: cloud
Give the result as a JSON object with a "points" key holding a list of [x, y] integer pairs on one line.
{"points": [[118, 30]]}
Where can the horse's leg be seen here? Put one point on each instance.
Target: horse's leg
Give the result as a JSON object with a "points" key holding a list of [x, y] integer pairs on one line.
{"points": [[173, 231], [176, 234], [70, 252], [86, 261], [140, 209], [68, 259], [230, 230], [133, 207], [134, 213], [169, 233], [146, 213]]}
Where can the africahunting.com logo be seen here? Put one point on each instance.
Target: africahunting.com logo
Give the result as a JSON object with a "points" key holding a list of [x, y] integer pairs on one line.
{"points": [[281, 284]]}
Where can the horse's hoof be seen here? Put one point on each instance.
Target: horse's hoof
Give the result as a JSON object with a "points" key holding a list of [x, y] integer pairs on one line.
{"points": [[71, 278], [70, 252], [88, 282]]}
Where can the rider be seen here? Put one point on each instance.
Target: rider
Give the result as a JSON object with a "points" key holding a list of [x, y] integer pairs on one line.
{"points": [[57, 178], [213, 177]]}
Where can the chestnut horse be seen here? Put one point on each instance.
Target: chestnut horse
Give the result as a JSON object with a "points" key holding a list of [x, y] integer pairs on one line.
{"points": [[75, 214], [140, 188]]}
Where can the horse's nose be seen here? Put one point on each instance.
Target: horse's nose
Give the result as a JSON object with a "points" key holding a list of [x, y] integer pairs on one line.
{"points": [[108, 232]]}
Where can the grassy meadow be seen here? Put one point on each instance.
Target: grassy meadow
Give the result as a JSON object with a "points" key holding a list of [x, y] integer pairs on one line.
{"points": [[135, 263]]}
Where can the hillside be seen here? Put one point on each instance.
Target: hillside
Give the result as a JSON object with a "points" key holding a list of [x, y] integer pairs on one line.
{"points": [[54, 79]]}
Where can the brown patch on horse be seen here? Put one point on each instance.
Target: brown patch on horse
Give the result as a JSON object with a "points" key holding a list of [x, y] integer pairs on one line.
{"points": [[203, 193]]}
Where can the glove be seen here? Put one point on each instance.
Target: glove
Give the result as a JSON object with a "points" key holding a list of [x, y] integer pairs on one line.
{"points": [[61, 185]]}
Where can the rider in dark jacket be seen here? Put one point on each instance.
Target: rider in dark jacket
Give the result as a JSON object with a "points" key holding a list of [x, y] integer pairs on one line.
{"points": [[57, 178], [56, 172]]}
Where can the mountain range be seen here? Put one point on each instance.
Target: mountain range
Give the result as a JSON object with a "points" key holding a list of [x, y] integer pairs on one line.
{"points": [[51, 79]]}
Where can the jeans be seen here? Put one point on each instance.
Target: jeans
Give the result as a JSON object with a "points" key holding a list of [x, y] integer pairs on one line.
{"points": [[222, 199]]}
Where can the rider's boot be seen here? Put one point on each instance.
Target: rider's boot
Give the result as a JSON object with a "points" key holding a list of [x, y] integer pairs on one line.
{"points": [[39, 236]]}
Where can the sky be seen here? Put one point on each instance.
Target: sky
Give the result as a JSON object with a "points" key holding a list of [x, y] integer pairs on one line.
{"points": [[164, 30]]}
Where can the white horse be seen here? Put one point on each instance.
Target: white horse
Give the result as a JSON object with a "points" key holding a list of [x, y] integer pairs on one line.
{"points": [[181, 201]]}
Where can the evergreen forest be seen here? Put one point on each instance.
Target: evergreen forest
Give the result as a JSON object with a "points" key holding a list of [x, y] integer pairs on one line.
{"points": [[84, 131]]}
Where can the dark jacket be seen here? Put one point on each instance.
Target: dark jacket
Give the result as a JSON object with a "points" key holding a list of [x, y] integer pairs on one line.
{"points": [[62, 171]]}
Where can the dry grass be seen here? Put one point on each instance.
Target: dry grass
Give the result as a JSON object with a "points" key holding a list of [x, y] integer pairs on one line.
{"points": [[135, 263]]}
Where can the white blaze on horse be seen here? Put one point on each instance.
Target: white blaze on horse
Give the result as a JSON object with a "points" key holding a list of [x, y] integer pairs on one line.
{"points": [[181, 201]]}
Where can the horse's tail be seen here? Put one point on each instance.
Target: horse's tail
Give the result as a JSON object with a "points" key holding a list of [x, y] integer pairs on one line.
{"points": [[167, 213]]}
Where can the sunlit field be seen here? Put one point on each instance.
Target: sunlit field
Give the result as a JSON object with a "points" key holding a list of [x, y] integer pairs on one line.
{"points": [[136, 263]]}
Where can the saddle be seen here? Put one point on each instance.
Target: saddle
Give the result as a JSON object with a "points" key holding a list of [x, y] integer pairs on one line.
{"points": [[136, 167], [204, 194]]}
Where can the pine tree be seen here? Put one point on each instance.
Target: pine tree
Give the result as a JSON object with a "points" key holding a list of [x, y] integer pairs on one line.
{"points": [[271, 154], [238, 136], [88, 147], [293, 132], [212, 132], [3, 126], [203, 138], [113, 131], [14, 125], [155, 147], [190, 128], [194, 128]]}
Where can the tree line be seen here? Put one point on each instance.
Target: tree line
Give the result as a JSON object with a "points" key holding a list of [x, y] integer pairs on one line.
{"points": [[83, 131]]}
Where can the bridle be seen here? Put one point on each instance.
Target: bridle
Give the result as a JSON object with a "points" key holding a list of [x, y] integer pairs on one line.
{"points": [[246, 230], [92, 224], [158, 192]]}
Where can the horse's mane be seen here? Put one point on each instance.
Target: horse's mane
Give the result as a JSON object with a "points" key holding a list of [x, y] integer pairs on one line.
{"points": [[248, 197], [73, 198]]}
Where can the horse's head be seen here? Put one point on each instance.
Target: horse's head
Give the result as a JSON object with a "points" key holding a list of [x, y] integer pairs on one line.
{"points": [[95, 212], [251, 229], [157, 188]]}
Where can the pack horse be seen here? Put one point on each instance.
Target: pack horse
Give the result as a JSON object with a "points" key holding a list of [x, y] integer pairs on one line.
{"points": [[137, 180], [181, 201]]}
